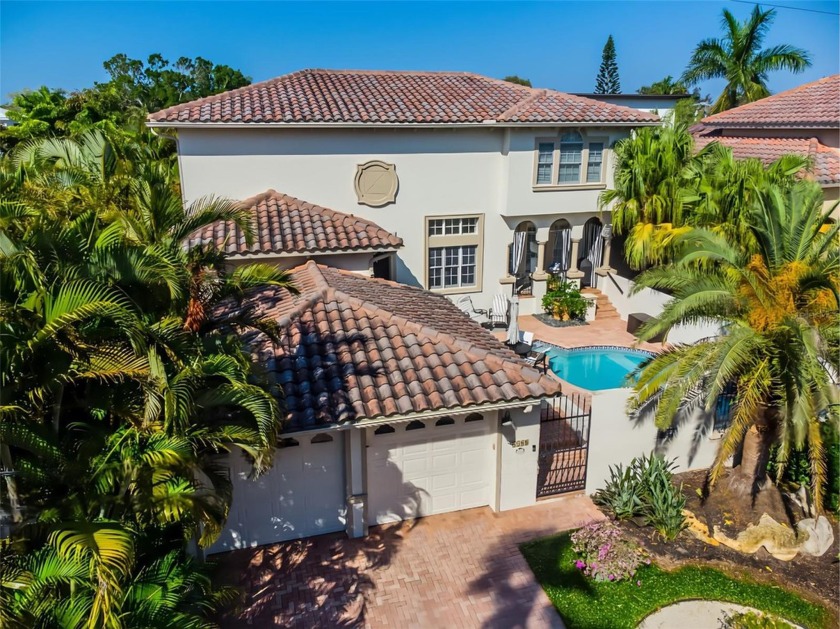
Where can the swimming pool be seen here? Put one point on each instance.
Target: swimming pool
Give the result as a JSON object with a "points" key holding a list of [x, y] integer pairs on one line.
{"points": [[595, 368]]}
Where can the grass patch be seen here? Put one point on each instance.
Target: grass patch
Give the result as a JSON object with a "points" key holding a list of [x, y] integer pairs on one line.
{"points": [[586, 604]]}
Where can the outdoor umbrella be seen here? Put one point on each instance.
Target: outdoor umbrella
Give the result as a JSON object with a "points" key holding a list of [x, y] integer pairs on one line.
{"points": [[513, 328]]}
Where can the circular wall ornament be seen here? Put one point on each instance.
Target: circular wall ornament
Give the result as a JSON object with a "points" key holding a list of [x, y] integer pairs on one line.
{"points": [[376, 183]]}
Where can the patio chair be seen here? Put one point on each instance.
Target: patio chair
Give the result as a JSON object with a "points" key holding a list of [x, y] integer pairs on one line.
{"points": [[536, 358], [500, 311], [479, 316]]}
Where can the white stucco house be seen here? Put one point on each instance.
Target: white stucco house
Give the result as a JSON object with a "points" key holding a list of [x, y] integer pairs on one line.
{"points": [[386, 195], [454, 164]]}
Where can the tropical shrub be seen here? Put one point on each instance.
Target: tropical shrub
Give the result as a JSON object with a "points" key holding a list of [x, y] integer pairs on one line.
{"points": [[606, 553], [622, 494], [564, 300], [753, 620], [645, 489]]}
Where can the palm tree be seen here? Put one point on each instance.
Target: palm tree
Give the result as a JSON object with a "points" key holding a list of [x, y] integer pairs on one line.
{"points": [[648, 190], [739, 59], [777, 306]]}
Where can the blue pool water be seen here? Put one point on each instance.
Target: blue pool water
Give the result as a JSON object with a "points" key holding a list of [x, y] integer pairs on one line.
{"points": [[595, 368]]}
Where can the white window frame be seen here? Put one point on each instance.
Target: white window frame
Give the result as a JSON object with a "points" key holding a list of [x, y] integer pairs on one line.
{"points": [[455, 239], [583, 182]]}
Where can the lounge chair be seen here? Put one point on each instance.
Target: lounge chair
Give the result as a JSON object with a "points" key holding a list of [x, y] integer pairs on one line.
{"points": [[500, 311], [479, 316]]}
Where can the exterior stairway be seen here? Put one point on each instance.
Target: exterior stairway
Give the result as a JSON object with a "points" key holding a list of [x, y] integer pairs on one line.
{"points": [[604, 308]]}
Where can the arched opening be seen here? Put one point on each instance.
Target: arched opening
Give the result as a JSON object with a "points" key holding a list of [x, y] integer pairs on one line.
{"points": [[522, 261], [321, 437], [415, 425], [591, 251], [384, 429], [445, 421], [559, 248]]}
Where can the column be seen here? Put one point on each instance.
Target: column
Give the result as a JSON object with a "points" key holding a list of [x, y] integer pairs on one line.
{"points": [[355, 476], [540, 273], [605, 267], [574, 273]]}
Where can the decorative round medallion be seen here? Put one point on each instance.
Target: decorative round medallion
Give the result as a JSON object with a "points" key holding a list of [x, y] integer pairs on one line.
{"points": [[376, 183]]}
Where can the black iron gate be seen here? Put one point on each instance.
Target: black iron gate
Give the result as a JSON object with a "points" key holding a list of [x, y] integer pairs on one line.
{"points": [[564, 444]]}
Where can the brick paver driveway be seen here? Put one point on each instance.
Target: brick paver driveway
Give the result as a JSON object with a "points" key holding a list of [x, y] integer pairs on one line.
{"points": [[460, 569]]}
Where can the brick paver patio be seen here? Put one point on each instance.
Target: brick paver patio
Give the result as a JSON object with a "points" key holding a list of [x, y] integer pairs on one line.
{"points": [[461, 569]]}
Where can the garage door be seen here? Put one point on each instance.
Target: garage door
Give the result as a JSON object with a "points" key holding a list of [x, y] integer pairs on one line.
{"points": [[424, 468], [302, 495]]}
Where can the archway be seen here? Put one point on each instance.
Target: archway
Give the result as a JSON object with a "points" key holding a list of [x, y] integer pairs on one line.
{"points": [[559, 248], [522, 261], [591, 251]]}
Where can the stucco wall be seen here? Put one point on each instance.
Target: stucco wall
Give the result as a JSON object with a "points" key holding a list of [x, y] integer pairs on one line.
{"points": [[441, 172], [651, 302], [518, 461], [614, 438], [356, 262]]}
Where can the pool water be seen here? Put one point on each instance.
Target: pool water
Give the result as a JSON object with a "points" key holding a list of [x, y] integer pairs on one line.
{"points": [[595, 368]]}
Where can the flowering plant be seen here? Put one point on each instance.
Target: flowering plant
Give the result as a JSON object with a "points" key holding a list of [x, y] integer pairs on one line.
{"points": [[605, 552]]}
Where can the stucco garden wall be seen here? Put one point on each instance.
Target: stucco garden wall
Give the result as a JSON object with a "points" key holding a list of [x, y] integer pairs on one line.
{"points": [[615, 438]]}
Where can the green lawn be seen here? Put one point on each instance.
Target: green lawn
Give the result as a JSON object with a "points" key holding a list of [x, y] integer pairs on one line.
{"points": [[586, 604]]}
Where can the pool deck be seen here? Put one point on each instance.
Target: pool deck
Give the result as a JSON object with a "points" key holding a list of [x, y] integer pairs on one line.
{"points": [[598, 332]]}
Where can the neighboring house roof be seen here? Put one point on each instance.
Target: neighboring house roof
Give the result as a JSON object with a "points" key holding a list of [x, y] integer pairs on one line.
{"points": [[357, 348], [826, 160], [284, 224], [811, 106], [357, 97]]}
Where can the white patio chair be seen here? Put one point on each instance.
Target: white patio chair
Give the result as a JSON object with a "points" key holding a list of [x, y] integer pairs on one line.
{"points": [[536, 358], [500, 311], [466, 305]]}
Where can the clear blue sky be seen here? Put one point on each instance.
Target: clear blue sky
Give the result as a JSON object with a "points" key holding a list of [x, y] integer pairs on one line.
{"points": [[555, 44]]}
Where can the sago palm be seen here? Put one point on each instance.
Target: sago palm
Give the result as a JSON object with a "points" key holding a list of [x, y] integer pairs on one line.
{"points": [[739, 59], [777, 308]]}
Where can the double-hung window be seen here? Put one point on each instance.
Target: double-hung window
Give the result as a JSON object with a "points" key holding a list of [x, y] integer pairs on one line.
{"points": [[569, 159], [453, 245]]}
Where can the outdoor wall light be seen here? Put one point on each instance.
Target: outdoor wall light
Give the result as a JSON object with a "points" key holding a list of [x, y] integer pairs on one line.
{"points": [[507, 428]]}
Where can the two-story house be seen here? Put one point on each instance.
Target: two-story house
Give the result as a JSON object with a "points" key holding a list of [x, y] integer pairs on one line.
{"points": [[450, 184], [487, 183]]}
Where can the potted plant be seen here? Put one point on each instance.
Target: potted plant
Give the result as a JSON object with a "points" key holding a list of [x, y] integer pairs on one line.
{"points": [[564, 302]]}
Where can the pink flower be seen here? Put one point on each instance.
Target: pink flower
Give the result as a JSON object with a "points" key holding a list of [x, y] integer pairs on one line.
{"points": [[611, 577], [639, 583], [580, 565]]}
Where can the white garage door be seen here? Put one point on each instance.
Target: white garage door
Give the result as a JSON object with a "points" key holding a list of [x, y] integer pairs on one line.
{"points": [[302, 495], [424, 468]]}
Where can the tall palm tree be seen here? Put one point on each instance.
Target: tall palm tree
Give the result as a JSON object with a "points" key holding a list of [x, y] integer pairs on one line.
{"points": [[739, 59], [777, 305]]}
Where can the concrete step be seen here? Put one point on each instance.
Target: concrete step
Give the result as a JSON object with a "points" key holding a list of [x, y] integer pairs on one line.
{"points": [[604, 308]]}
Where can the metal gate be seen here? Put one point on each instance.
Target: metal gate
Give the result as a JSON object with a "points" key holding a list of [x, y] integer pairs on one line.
{"points": [[564, 444]]}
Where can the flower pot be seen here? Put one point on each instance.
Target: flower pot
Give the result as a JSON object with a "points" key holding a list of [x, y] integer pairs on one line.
{"points": [[566, 316]]}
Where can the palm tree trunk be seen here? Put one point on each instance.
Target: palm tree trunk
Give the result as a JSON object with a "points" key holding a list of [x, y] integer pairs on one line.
{"points": [[749, 476], [11, 484]]}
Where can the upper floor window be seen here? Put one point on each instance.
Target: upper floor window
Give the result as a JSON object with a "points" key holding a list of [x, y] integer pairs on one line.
{"points": [[454, 253], [568, 160]]}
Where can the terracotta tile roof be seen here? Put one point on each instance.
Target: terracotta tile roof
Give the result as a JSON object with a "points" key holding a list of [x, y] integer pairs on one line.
{"points": [[358, 348], [381, 97], [284, 224], [826, 160], [813, 106]]}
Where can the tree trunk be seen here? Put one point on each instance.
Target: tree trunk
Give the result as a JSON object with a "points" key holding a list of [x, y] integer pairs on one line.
{"points": [[750, 475], [11, 484]]}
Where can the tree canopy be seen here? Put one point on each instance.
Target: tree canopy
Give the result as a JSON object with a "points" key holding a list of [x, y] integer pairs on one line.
{"points": [[518, 80], [607, 81], [739, 58], [119, 105]]}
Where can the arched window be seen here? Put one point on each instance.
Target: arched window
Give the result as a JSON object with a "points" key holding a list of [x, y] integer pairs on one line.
{"points": [[445, 421], [321, 437], [474, 417], [384, 429], [559, 249], [415, 425], [571, 157]]}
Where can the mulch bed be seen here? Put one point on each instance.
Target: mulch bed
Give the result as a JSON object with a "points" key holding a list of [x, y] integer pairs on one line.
{"points": [[815, 578], [558, 323]]}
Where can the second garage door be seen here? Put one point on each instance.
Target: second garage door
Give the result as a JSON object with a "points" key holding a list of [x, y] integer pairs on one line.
{"points": [[430, 467]]}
